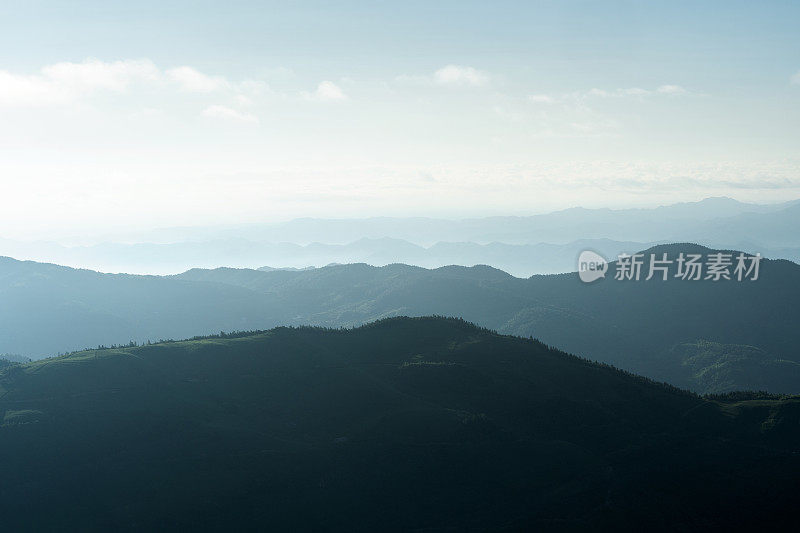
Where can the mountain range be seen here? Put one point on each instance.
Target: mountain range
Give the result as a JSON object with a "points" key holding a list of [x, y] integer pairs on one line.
{"points": [[707, 336]]}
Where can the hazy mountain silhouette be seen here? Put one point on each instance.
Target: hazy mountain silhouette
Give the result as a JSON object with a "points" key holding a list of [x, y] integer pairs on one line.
{"points": [[641, 225], [540, 244]]}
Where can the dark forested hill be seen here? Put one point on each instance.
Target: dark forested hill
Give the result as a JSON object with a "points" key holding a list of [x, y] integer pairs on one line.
{"points": [[407, 424], [647, 326]]}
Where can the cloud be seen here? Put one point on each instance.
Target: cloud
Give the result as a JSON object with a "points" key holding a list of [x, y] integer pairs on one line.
{"points": [[596, 92], [253, 87], [327, 91], [94, 74], [194, 81], [67, 81], [579, 96], [541, 99], [413, 80], [243, 100], [460, 75], [450, 75], [795, 80], [507, 114], [671, 89], [227, 113], [16, 90], [636, 91]]}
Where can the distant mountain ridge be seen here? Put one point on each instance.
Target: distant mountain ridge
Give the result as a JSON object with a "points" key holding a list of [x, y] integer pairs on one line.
{"points": [[522, 245], [427, 231]]}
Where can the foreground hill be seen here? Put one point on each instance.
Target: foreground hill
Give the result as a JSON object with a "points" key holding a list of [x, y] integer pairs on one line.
{"points": [[407, 424], [646, 327]]}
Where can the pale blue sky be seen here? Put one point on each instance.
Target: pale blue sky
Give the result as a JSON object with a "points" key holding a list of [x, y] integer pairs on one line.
{"points": [[203, 112]]}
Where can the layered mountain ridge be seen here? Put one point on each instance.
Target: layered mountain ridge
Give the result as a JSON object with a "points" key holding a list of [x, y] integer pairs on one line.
{"points": [[46, 309]]}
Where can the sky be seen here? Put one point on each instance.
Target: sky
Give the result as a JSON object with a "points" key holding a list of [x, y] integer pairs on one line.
{"points": [[126, 115]]}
